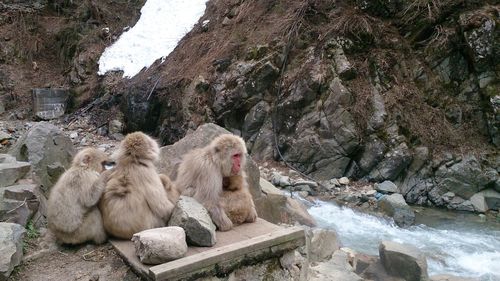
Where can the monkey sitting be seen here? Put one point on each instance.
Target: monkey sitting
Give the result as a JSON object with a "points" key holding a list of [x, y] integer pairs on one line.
{"points": [[237, 201], [135, 196], [72, 213], [202, 170]]}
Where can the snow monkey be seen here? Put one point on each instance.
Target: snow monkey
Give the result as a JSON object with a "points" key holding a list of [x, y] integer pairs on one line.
{"points": [[135, 197], [72, 211], [237, 201], [202, 170]]}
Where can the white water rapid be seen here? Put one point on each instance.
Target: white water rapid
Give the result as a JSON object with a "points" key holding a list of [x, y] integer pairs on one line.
{"points": [[460, 249]]}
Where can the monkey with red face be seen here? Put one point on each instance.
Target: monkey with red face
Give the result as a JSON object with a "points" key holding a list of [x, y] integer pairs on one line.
{"points": [[202, 173]]}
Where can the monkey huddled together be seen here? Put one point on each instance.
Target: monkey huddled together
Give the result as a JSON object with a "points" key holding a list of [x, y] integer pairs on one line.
{"points": [[88, 202]]}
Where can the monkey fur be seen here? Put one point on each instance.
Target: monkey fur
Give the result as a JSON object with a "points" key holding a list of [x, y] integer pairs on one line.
{"points": [[72, 214], [135, 197], [237, 201]]}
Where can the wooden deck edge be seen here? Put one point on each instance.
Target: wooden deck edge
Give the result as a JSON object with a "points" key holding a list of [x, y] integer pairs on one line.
{"points": [[226, 258]]}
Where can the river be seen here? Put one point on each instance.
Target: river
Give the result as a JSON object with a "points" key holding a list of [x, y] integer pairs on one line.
{"points": [[457, 244]]}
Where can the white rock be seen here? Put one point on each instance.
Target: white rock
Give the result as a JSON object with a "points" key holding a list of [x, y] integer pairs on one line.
{"points": [[344, 181], [159, 245], [73, 135]]}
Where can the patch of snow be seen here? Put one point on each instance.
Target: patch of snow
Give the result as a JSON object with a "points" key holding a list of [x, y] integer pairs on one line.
{"points": [[162, 25]]}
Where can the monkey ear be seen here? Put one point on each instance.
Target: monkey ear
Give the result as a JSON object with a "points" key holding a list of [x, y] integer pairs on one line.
{"points": [[86, 160], [216, 149]]}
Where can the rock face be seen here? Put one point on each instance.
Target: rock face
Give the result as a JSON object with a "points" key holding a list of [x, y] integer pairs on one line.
{"points": [[12, 172], [386, 187], [394, 205], [159, 245], [11, 247], [48, 150], [195, 220], [403, 261]]}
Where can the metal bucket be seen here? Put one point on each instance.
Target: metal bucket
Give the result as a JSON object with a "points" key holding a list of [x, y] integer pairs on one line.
{"points": [[49, 103]]}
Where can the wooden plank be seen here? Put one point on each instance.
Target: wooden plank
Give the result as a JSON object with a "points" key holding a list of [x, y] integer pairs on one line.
{"points": [[126, 250], [211, 257], [251, 230]]}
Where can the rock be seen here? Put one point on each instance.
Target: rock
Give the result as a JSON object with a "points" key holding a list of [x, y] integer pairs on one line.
{"points": [[73, 135], [492, 199], [343, 181], [269, 188], [447, 277], [7, 158], [117, 136], [343, 67], [44, 145], [311, 184], [277, 208], [323, 243], [394, 205], [11, 247], [159, 245], [293, 262], [255, 119], [335, 269], [170, 155], [15, 211], [21, 193], [465, 178], [4, 136], [394, 162], [386, 187], [404, 261], [12, 172], [372, 154], [195, 220], [278, 180], [371, 193]]}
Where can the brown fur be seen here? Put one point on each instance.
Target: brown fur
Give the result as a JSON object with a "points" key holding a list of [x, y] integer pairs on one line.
{"points": [[202, 171], [237, 201], [72, 213], [135, 197]]}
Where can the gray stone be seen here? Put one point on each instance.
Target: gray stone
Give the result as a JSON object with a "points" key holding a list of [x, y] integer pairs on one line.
{"points": [[11, 247], [269, 188], [448, 277], [386, 187], [344, 181], [160, 245], [311, 184], [404, 261], [15, 211], [4, 136], [7, 158], [171, 155], [394, 162], [23, 192], [479, 203], [394, 205], [12, 172], [254, 119], [44, 145], [323, 243], [278, 208], [343, 67], [195, 220], [115, 126], [465, 178], [372, 154], [492, 199]]}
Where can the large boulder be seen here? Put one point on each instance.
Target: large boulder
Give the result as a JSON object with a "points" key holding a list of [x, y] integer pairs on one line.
{"points": [[48, 150], [195, 220], [335, 269], [465, 178], [403, 261], [394, 205], [11, 247], [159, 245], [171, 155]]}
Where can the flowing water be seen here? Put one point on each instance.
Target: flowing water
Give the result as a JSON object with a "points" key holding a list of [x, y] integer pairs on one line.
{"points": [[453, 243]]}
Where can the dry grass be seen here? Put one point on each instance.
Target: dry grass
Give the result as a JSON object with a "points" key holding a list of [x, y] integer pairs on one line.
{"points": [[430, 10], [355, 24]]}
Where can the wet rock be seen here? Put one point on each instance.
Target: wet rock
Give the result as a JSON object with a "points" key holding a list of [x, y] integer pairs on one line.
{"points": [[171, 155], [394, 205], [323, 243], [159, 245], [394, 162], [386, 187], [404, 261], [44, 145], [195, 220], [11, 247], [12, 172]]}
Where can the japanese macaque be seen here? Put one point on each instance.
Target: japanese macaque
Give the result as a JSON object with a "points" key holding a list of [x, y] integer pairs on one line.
{"points": [[202, 170], [135, 197], [72, 213], [237, 201]]}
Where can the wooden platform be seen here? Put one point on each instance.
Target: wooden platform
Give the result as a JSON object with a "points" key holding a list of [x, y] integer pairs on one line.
{"points": [[243, 245]]}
